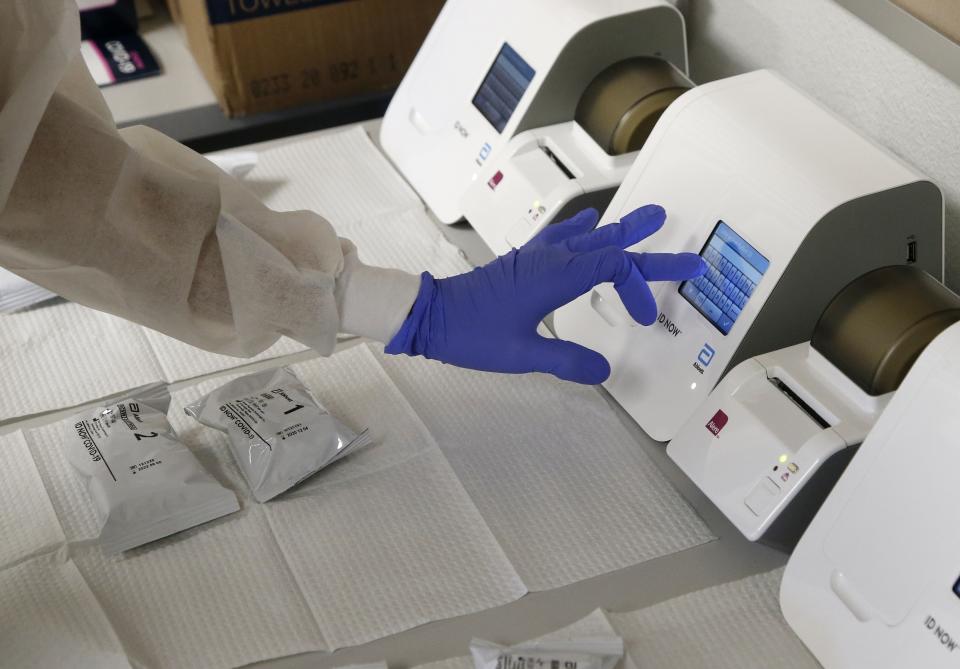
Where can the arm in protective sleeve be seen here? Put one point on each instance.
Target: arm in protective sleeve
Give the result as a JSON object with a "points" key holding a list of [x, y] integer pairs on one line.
{"points": [[135, 224]]}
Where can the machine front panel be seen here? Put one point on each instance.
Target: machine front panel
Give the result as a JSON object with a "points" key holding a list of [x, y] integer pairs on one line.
{"points": [[902, 491], [728, 196], [874, 580], [470, 84], [661, 373], [478, 74], [749, 447], [539, 174]]}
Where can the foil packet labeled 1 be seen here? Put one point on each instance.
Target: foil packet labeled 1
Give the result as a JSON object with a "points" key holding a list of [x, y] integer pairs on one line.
{"points": [[279, 433], [577, 654], [144, 483]]}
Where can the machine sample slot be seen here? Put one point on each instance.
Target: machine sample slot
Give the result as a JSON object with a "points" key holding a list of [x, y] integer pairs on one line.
{"points": [[798, 401], [556, 161]]}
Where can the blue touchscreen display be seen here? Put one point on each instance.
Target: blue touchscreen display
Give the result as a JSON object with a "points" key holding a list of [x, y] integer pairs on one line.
{"points": [[502, 88], [734, 270]]}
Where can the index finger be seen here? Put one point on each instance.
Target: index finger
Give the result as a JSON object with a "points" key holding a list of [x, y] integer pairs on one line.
{"points": [[669, 266], [632, 228]]}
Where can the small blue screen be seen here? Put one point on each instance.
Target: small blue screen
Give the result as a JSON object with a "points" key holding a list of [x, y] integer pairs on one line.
{"points": [[734, 270], [502, 88]]}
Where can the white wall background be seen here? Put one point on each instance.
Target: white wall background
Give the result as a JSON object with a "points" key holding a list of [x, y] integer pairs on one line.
{"points": [[857, 72]]}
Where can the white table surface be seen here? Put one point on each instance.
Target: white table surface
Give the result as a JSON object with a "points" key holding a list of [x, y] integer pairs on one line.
{"points": [[728, 558]]}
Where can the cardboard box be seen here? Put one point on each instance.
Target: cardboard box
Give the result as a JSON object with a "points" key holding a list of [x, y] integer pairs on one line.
{"points": [[940, 15], [264, 55]]}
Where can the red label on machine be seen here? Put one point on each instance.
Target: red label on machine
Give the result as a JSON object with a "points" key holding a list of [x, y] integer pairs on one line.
{"points": [[717, 423]]}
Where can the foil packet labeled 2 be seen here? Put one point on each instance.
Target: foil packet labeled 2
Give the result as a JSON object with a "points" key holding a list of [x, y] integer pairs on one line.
{"points": [[279, 433], [577, 654], [144, 483]]}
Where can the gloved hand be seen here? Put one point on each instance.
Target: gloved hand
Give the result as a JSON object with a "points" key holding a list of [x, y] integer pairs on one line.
{"points": [[487, 319]]}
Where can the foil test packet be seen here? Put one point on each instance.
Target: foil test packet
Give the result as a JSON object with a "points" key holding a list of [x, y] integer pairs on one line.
{"points": [[279, 433], [144, 483]]}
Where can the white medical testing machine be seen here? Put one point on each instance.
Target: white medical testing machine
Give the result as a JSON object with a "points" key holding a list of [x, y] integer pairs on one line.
{"points": [[548, 174], [489, 70], [773, 437], [785, 202], [875, 580]]}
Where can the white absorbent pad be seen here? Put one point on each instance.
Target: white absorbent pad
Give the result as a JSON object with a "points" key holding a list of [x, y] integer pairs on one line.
{"points": [[594, 626], [219, 595], [49, 618], [408, 240], [386, 539], [28, 523], [345, 178], [379, 542], [390, 537], [737, 625], [235, 163], [17, 293], [561, 483], [179, 361], [63, 354], [340, 175], [392, 550]]}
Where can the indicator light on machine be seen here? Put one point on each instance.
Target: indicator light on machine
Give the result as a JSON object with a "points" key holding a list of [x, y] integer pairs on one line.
{"points": [[536, 210], [783, 459], [495, 180]]}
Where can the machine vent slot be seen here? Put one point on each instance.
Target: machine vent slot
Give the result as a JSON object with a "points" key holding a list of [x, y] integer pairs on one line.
{"points": [[556, 161], [798, 401]]}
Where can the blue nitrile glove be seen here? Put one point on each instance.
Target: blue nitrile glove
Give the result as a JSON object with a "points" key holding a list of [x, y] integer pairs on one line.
{"points": [[487, 319]]}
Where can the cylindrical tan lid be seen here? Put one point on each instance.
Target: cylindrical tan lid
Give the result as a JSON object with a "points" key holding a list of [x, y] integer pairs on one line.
{"points": [[877, 326], [622, 104]]}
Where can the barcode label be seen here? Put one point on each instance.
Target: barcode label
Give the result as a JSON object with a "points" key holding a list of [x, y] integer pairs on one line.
{"points": [[511, 661]]}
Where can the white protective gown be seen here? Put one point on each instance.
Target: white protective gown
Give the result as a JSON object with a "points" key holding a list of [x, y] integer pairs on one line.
{"points": [[135, 224]]}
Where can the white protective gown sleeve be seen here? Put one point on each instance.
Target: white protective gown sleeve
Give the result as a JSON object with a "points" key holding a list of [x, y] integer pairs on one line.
{"points": [[135, 224]]}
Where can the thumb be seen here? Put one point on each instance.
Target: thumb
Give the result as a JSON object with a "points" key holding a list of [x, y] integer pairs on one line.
{"points": [[568, 361]]}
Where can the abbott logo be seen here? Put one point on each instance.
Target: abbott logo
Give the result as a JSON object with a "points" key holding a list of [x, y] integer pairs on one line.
{"points": [[703, 360], [717, 423], [706, 355]]}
